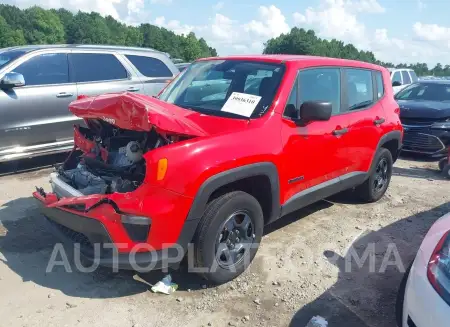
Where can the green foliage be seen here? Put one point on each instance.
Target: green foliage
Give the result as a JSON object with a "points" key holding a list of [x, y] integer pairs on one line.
{"points": [[42, 27], [302, 42], [8, 36], [39, 26]]}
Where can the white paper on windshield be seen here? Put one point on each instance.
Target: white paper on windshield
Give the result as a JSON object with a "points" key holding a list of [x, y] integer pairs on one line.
{"points": [[241, 104]]}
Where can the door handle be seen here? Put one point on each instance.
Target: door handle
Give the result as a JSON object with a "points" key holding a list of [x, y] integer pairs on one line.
{"points": [[64, 95], [379, 121], [133, 89], [341, 131]]}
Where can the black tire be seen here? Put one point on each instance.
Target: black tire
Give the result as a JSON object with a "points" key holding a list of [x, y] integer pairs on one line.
{"points": [[446, 171], [210, 232], [368, 191], [401, 298], [442, 163]]}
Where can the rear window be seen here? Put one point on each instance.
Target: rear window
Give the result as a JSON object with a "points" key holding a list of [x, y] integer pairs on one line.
{"points": [[406, 78], [380, 85], [150, 67], [93, 67], [413, 76]]}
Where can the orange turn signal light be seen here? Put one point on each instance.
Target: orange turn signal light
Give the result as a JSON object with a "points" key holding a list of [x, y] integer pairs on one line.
{"points": [[162, 169]]}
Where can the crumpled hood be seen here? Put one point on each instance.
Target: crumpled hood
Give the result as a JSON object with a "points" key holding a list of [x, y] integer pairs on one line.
{"points": [[137, 112]]}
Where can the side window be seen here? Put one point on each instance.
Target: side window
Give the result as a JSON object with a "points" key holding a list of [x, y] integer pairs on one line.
{"points": [[406, 78], [359, 88], [92, 67], [291, 105], [413, 75], [45, 69], [321, 84], [150, 67], [380, 84], [397, 77]]}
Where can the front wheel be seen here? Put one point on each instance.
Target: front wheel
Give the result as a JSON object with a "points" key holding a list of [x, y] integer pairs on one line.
{"points": [[376, 185], [228, 236]]}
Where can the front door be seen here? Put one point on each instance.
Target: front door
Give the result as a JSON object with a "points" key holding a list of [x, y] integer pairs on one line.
{"points": [[37, 113], [314, 156]]}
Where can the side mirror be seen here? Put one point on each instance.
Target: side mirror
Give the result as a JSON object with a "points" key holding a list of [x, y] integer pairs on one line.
{"points": [[396, 83], [313, 111], [11, 80]]}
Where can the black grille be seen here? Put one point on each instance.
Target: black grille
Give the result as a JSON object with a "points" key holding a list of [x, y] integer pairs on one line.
{"points": [[420, 142], [75, 237]]}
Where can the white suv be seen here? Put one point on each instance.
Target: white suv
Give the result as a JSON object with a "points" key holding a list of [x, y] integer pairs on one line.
{"points": [[402, 77]]}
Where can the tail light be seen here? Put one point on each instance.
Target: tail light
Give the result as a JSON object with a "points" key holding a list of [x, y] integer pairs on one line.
{"points": [[439, 268]]}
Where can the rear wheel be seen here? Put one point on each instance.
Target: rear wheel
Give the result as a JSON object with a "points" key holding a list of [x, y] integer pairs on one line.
{"points": [[376, 185], [442, 163], [228, 236], [446, 171], [401, 298]]}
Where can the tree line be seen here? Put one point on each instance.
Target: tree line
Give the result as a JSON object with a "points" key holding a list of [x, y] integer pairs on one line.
{"points": [[306, 42], [60, 26]]}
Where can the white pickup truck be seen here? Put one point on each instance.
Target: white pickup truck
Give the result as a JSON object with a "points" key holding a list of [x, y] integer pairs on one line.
{"points": [[402, 77]]}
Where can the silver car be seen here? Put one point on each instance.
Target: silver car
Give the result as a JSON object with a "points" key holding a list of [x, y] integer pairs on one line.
{"points": [[37, 83]]}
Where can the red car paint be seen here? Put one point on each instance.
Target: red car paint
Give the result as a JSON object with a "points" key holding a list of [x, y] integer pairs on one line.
{"points": [[220, 144]]}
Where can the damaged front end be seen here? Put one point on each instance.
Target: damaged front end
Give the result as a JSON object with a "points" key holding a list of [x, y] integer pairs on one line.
{"points": [[100, 195]]}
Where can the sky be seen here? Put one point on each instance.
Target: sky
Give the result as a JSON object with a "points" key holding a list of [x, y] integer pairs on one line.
{"points": [[395, 30]]}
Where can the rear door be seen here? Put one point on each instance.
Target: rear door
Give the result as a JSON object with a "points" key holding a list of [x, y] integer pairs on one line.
{"points": [[154, 72], [37, 113], [97, 73], [363, 88]]}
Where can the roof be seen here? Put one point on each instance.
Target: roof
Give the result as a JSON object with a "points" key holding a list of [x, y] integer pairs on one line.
{"points": [[280, 58], [391, 69], [81, 46], [434, 81]]}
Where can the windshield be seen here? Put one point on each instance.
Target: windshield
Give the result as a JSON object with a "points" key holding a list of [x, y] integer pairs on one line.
{"points": [[230, 88], [9, 56], [425, 91]]}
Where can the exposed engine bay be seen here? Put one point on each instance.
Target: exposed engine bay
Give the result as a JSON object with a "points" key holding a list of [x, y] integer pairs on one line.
{"points": [[111, 159]]}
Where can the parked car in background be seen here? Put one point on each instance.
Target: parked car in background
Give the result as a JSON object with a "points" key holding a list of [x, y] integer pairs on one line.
{"points": [[182, 66], [230, 145], [37, 83], [425, 116], [424, 295], [402, 77]]}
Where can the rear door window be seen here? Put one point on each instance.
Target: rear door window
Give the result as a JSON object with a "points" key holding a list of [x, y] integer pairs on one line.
{"points": [[95, 67], [359, 89], [406, 78], [150, 67], [45, 69]]}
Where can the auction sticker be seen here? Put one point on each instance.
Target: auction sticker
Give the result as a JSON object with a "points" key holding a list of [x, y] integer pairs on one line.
{"points": [[241, 104]]}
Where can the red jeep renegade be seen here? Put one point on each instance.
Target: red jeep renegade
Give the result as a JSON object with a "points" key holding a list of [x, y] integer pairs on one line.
{"points": [[231, 144]]}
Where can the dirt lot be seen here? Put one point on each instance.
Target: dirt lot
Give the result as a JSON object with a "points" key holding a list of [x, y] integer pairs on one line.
{"points": [[297, 273]]}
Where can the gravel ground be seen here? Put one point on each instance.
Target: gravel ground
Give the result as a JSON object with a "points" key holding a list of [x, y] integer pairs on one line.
{"points": [[299, 271]]}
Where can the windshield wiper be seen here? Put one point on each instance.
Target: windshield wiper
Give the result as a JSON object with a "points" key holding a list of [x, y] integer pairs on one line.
{"points": [[360, 105]]}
